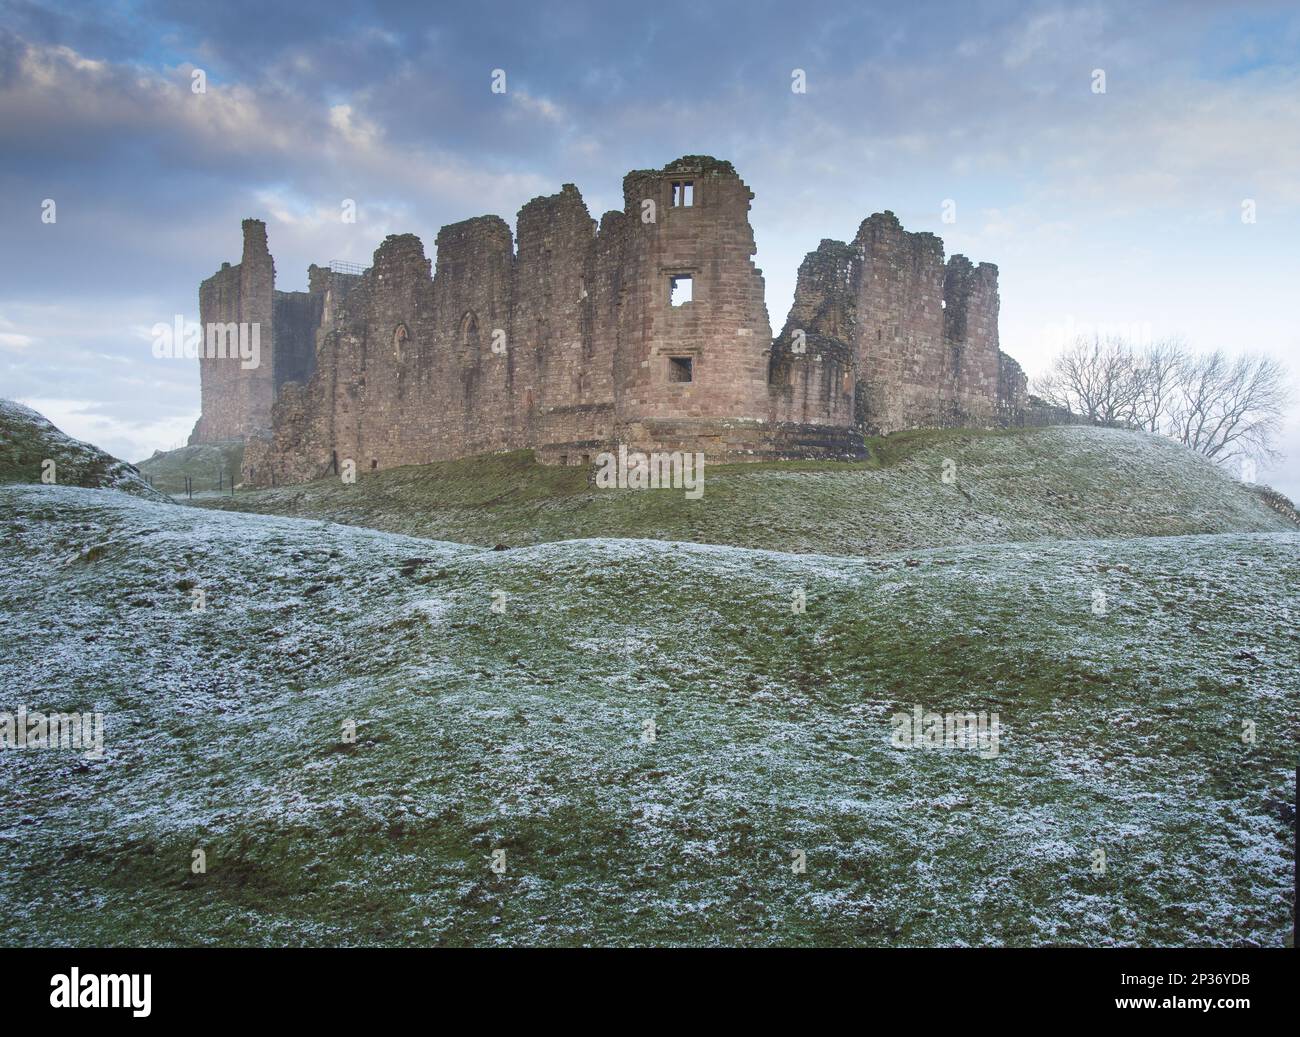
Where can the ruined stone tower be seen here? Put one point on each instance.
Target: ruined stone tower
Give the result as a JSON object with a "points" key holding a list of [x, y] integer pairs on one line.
{"points": [[648, 329], [920, 334], [237, 399], [693, 329]]}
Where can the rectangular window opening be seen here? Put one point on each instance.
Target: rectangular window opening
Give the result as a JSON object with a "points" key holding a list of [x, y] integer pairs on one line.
{"points": [[680, 368], [683, 193], [680, 289]]}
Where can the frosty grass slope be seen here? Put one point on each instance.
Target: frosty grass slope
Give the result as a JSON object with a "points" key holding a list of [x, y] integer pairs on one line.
{"points": [[28, 440], [1025, 484], [523, 731]]}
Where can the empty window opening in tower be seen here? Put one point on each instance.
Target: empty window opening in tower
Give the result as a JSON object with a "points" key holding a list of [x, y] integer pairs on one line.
{"points": [[469, 338], [680, 369], [683, 193], [681, 289]]}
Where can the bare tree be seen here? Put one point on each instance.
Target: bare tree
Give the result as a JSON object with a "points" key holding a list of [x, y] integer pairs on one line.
{"points": [[1229, 409], [1095, 377], [1159, 369], [1225, 408]]}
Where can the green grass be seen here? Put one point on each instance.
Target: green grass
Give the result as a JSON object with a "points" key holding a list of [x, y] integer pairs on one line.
{"points": [[1028, 484], [522, 731], [883, 451], [208, 465]]}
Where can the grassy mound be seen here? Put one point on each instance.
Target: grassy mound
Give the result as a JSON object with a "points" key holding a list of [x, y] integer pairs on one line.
{"points": [[1031, 484], [527, 731], [28, 441]]}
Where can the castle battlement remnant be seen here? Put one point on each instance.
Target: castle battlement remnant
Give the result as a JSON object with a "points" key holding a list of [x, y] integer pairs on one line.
{"points": [[648, 330]]}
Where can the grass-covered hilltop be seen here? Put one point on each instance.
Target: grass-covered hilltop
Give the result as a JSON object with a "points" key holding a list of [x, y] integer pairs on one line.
{"points": [[649, 737], [918, 489]]}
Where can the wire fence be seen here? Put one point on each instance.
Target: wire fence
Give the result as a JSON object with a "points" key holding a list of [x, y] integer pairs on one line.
{"points": [[221, 480]]}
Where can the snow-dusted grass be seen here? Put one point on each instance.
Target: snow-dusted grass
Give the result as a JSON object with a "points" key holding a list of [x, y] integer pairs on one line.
{"points": [[28, 440], [523, 731], [1031, 484]]}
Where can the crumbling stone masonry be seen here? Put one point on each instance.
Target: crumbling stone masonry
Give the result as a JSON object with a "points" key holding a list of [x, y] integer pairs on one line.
{"points": [[649, 329], [916, 337]]}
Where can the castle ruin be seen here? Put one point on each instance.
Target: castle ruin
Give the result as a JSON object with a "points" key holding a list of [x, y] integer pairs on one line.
{"points": [[649, 330]]}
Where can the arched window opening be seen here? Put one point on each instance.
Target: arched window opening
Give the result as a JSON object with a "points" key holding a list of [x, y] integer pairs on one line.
{"points": [[470, 343]]}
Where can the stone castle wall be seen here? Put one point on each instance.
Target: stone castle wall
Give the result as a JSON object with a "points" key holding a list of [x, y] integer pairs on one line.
{"points": [[568, 340]]}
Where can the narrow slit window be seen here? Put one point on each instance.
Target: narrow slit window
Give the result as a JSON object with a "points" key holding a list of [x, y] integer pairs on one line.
{"points": [[680, 369], [683, 193], [680, 290]]}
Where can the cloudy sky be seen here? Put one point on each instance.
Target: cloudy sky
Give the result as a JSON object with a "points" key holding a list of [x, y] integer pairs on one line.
{"points": [[1120, 208]]}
